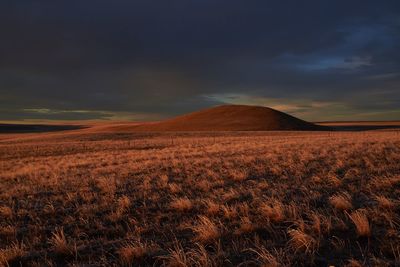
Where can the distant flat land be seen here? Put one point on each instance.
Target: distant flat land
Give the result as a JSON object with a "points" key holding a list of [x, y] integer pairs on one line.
{"points": [[361, 125], [35, 128], [14, 128]]}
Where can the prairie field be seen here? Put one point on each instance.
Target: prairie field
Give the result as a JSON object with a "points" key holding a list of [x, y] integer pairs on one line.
{"points": [[107, 198]]}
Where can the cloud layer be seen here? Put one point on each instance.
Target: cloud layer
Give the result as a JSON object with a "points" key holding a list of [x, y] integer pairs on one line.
{"points": [[96, 59]]}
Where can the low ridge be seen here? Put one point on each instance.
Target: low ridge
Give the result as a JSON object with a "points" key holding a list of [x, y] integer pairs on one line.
{"points": [[231, 118]]}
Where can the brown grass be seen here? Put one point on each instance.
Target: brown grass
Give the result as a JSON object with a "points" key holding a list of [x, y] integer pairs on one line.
{"points": [[182, 204], [123, 203], [132, 252], [11, 255], [341, 201], [301, 241], [60, 243], [353, 263], [265, 258], [176, 257], [6, 212], [274, 211], [101, 198], [361, 222], [385, 203], [206, 230], [212, 208]]}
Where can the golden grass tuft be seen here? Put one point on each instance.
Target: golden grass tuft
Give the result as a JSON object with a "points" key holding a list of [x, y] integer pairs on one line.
{"points": [[265, 258], [11, 255], [199, 256], [238, 175], [361, 222], [176, 257], [245, 226], [163, 180], [316, 224], [341, 201], [229, 212], [133, 251], [385, 203], [182, 204], [6, 212], [60, 243], [212, 208], [273, 210], [206, 231], [174, 188], [203, 185], [300, 241], [123, 204], [8, 232], [353, 263]]}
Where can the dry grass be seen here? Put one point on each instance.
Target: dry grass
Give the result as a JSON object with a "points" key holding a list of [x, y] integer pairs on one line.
{"points": [[341, 201], [245, 226], [274, 211], [205, 199], [301, 241], [132, 252], [238, 175], [182, 204], [60, 243], [385, 203], [176, 257], [265, 258], [212, 208], [11, 255], [123, 204], [353, 263], [163, 180], [6, 212], [360, 220], [206, 230]]}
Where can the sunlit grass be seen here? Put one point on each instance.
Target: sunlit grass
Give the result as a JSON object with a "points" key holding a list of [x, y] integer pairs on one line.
{"points": [[226, 199]]}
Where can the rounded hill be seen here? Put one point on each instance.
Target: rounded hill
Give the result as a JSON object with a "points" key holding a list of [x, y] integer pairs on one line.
{"points": [[231, 118]]}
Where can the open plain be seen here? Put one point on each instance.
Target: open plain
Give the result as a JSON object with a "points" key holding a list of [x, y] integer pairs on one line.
{"points": [[101, 197]]}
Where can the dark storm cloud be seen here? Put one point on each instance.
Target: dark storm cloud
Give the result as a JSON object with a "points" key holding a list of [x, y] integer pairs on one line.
{"points": [[99, 59]]}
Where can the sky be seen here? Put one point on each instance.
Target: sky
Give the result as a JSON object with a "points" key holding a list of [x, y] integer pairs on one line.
{"points": [[138, 60]]}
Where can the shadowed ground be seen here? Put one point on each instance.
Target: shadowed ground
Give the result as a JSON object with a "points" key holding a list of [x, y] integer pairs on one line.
{"points": [[361, 125], [36, 128]]}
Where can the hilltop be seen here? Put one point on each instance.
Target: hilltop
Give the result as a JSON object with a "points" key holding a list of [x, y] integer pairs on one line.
{"points": [[231, 118]]}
